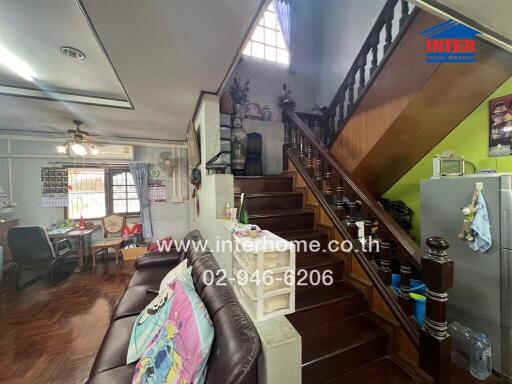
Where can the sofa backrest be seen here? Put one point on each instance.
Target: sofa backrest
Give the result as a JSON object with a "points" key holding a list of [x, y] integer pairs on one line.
{"points": [[236, 346]]}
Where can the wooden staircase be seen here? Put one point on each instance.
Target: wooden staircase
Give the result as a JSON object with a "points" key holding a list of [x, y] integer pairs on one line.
{"points": [[342, 340]]}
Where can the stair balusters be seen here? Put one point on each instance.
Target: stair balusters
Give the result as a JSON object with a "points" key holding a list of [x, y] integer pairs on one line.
{"points": [[319, 175], [368, 228], [405, 300], [295, 144], [435, 342], [385, 263], [302, 149], [309, 160], [362, 74], [341, 110], [347, 204], [389, 31], [375, 53], [405, 13], [338, 205], [351, 85], [371, 45], [328, 184]]}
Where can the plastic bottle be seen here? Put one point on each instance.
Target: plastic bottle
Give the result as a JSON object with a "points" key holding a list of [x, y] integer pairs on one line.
{"points": [[481, 357], [461, 343], [227, 211]]}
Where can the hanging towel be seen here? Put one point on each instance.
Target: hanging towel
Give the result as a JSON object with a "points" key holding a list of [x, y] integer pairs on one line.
{"points": [[482, 227]]}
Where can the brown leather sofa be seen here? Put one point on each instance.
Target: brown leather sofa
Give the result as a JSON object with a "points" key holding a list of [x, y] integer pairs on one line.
{"points": [[236, 346]]}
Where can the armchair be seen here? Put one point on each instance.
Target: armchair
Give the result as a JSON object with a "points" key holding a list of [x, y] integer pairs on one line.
{"points": [[31, 249], [112, 225]]}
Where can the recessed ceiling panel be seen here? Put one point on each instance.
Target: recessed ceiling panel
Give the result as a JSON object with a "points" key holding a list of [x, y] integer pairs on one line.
{"points": [[34, 32]]}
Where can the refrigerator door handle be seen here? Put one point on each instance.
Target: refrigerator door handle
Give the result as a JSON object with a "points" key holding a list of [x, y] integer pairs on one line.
{"points": [[506, 219]]}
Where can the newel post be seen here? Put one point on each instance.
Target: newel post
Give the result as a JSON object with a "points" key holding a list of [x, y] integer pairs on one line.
{"points": [[287, 140], [435, 342]]}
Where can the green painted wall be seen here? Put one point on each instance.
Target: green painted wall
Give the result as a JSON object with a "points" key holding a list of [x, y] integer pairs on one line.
{"points": [[469, 139]]}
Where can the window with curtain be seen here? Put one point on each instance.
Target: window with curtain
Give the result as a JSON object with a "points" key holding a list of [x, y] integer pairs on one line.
{"points": [[268, 41], [97, 192]]}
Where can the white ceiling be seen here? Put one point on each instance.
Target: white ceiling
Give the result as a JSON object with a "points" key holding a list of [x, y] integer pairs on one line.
{"points": [[494, 15], [163, 51], [35, 31]]}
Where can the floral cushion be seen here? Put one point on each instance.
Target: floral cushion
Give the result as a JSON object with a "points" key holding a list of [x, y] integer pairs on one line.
{"points": [[180, 351], [153, 317]]}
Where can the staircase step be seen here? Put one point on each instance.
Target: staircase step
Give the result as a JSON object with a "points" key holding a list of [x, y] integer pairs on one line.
{"points": [[337, 348], [323, 263], [321, 305], [259, 184], [275, 221], [382, 371], [266, 201], [308, 235]]}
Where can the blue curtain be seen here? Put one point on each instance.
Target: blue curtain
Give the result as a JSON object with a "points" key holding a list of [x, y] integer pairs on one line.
{"points": [[139, 172], [284, 13]]}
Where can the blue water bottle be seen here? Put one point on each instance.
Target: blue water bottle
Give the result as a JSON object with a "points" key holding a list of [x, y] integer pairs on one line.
{"points": [[481, 357]]}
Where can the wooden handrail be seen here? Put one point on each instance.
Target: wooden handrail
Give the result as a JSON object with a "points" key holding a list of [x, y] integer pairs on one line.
{"points": [[403, 241], [386, 294], [345, 101], [347, 203]]}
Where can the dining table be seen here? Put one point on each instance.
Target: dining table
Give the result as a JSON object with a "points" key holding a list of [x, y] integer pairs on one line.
{"points": [[81, 235]]}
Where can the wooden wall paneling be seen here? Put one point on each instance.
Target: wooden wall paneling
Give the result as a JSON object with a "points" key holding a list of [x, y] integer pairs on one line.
{"points": [[395, 85], [453, 91]]}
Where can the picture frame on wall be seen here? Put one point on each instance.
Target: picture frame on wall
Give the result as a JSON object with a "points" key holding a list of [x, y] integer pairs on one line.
{"points": [[193, 145], [500, 126]]}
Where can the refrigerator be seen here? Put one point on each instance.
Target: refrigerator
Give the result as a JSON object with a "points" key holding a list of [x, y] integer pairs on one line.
{"points": [[481, 297]]}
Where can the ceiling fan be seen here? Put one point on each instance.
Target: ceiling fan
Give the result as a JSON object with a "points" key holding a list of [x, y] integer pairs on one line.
{"points": [[77, 134], [79, 144]]}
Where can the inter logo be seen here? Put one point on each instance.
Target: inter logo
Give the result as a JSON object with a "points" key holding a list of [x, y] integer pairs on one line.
{"points": [[450, 42]]}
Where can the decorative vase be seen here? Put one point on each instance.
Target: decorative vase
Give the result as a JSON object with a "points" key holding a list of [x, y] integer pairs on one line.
{"points": [[240, 110], [226, 103], [238, 145], [266, 113]]}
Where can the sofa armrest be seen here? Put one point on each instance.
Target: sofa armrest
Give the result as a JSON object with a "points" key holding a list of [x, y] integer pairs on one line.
{"points": [[159, 259]]}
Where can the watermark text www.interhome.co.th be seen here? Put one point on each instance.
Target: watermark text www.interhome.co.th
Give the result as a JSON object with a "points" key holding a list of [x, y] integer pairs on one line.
{"points": [[265, 245]]}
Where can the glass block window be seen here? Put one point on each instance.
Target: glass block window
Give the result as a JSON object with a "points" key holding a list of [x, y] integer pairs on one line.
{"points": [[267, 41]]}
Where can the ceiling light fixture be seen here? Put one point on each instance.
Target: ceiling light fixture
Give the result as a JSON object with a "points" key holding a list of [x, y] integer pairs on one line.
{"points": [[62, 149], [78, 149], [72, 52], [15, 64]]}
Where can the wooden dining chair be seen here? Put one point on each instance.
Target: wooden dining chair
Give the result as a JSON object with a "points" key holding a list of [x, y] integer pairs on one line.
{"points": [[112, 237]]}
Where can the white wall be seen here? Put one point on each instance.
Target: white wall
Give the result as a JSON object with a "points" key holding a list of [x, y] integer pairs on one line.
{"points": [[344, 25], [267, 78], [329, 34], [168, 218], [215, 190]]}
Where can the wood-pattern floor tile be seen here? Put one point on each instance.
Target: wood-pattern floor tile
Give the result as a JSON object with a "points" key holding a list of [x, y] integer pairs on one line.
{"points": [[52, 334]]}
